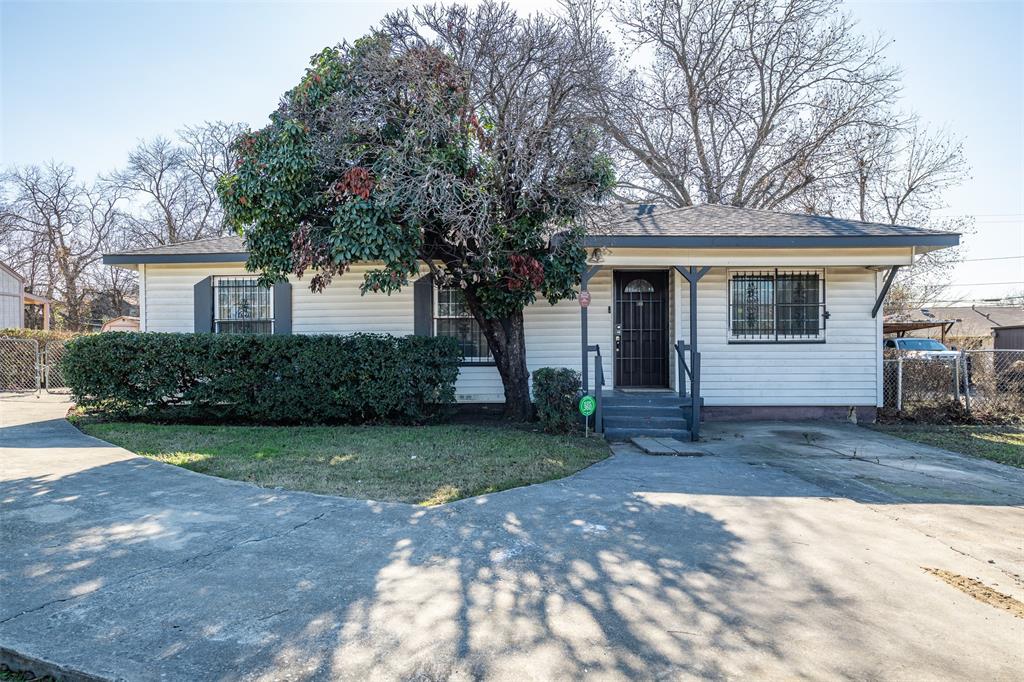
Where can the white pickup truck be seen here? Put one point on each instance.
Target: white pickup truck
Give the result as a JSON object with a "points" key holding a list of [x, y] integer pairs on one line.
{"points": [[920, 348]]}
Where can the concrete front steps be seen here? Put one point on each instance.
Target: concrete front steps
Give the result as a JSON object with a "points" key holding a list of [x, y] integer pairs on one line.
{"points": [[658, 414]]}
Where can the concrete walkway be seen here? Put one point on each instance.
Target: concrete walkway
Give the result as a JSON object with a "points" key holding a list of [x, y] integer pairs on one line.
{"points": [[771, 557]]}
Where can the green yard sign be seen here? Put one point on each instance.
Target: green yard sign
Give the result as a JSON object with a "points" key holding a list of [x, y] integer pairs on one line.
{"points": [[587, 405]]}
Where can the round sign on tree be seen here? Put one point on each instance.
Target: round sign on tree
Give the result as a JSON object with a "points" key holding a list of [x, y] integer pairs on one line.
{"points": [[587, 405]]}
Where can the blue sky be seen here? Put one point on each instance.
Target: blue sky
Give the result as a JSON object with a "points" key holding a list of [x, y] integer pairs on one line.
{"points": [[81, 82]]}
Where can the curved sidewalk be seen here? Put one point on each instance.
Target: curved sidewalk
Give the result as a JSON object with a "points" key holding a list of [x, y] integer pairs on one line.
{"points": [[639, 567]]}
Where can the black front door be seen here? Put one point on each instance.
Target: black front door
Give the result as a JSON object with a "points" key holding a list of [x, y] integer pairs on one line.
{"points": [[641, 328]]}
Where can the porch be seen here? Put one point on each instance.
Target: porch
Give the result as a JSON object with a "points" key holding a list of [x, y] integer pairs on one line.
{"points": [[746, 341], [656, 374]]}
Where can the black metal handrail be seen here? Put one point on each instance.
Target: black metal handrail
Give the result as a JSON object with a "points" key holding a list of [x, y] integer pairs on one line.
{"points": [[693, 373], [598, 383], [682, 369]]}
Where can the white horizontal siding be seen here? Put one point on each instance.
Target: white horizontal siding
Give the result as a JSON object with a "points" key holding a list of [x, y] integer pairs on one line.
{"points": [[11, 303], [479, 385], [339, 309], [169, 291], [342, 309], [552, 340], [841, 371]]}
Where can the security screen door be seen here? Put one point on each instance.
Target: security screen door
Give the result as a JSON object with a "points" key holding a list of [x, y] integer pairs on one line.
{"points": [[641, 328]]}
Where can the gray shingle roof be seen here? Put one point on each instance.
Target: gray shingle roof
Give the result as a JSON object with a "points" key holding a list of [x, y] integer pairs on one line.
{"points": [[715, 226], [229, 244], [644, 225], [979, 320], [216, 249], [730, 221]]}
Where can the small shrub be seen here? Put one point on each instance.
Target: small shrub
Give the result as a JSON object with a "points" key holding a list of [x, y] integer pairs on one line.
{"points": [[554, 394], [292, 379]]}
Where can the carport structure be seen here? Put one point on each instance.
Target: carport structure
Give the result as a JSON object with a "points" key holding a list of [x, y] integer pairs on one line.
{"points": [[900, 326]]}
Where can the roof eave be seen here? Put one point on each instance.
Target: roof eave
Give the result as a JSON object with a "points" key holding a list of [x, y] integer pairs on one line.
{"points": [[14, 273], [808, 242], [174, 258]]}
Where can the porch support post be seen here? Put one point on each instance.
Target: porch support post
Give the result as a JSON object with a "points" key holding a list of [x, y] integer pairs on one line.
{"points": [[693, 274], [885, 290], [584, 280]]}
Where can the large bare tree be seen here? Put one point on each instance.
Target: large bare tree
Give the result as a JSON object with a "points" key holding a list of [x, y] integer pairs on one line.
{"points": [[778, 104], [899, 174], [741, 102], [55, 230], [172, 184]]}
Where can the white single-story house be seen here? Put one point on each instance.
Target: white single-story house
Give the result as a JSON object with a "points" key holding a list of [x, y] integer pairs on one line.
{"points": [[784, 309]]}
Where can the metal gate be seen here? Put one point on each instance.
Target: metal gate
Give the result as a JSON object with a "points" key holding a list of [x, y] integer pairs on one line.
{"points": [[30, 365]]}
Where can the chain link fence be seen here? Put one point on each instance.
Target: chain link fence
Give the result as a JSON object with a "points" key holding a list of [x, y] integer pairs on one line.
{"points": [[31, 365], [985, 384], [19, 364], [52, 373]]}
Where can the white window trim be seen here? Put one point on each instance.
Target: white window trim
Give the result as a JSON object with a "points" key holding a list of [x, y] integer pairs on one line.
{"points": [[217, 320], [468, 360], [823, 316]]}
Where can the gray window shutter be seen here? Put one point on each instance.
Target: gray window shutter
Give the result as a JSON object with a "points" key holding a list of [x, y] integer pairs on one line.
{"points": [[202, 304], [283, 308], [423, 306]]}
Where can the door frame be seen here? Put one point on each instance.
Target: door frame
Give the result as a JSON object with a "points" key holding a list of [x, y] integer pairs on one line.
{"points": [[662, 275]]}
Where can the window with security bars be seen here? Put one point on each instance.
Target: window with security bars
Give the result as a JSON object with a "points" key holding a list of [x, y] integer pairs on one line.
{"points": [[777, 305], [453, 318], [242, 306]]}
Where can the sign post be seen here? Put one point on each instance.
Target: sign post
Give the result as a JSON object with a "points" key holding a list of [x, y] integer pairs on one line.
{"points": [[587, 406]]}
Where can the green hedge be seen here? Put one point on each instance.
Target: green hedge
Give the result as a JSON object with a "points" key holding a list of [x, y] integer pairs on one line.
{"points": [[39, 334], [555, 392], [264, 378]]}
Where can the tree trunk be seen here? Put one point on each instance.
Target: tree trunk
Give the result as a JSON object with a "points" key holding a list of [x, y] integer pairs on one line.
{"points": [[507, 342]]}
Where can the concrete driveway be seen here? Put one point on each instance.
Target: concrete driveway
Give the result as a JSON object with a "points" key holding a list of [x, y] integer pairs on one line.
{"points": [[781, 554]]}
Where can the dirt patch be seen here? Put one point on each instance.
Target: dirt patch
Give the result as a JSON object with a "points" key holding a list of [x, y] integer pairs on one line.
{"points": [[979, 591]]}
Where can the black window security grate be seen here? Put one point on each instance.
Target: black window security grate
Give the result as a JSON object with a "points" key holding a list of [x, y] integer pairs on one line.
{"points": [[241, 306], [454, 319], [777, 305]]}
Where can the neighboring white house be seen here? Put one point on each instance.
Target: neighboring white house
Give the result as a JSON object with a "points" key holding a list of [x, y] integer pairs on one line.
{"points": [[787, 314], [12, 298]]}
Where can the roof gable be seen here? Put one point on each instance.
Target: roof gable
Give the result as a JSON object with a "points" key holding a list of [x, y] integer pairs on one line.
{"points": [[14, 273]]}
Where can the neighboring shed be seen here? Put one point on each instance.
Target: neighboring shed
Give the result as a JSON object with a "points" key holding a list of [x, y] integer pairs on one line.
{"points": [[125, 323], [1008, 338]]}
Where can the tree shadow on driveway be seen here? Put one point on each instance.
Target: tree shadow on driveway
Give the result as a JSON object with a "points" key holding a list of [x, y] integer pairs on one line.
{"points": [[637, 567]]}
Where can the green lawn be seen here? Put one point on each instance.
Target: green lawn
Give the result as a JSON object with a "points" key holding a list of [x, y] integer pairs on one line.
{"points": [[422, 465], [1003, 444], [21, 676]]}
